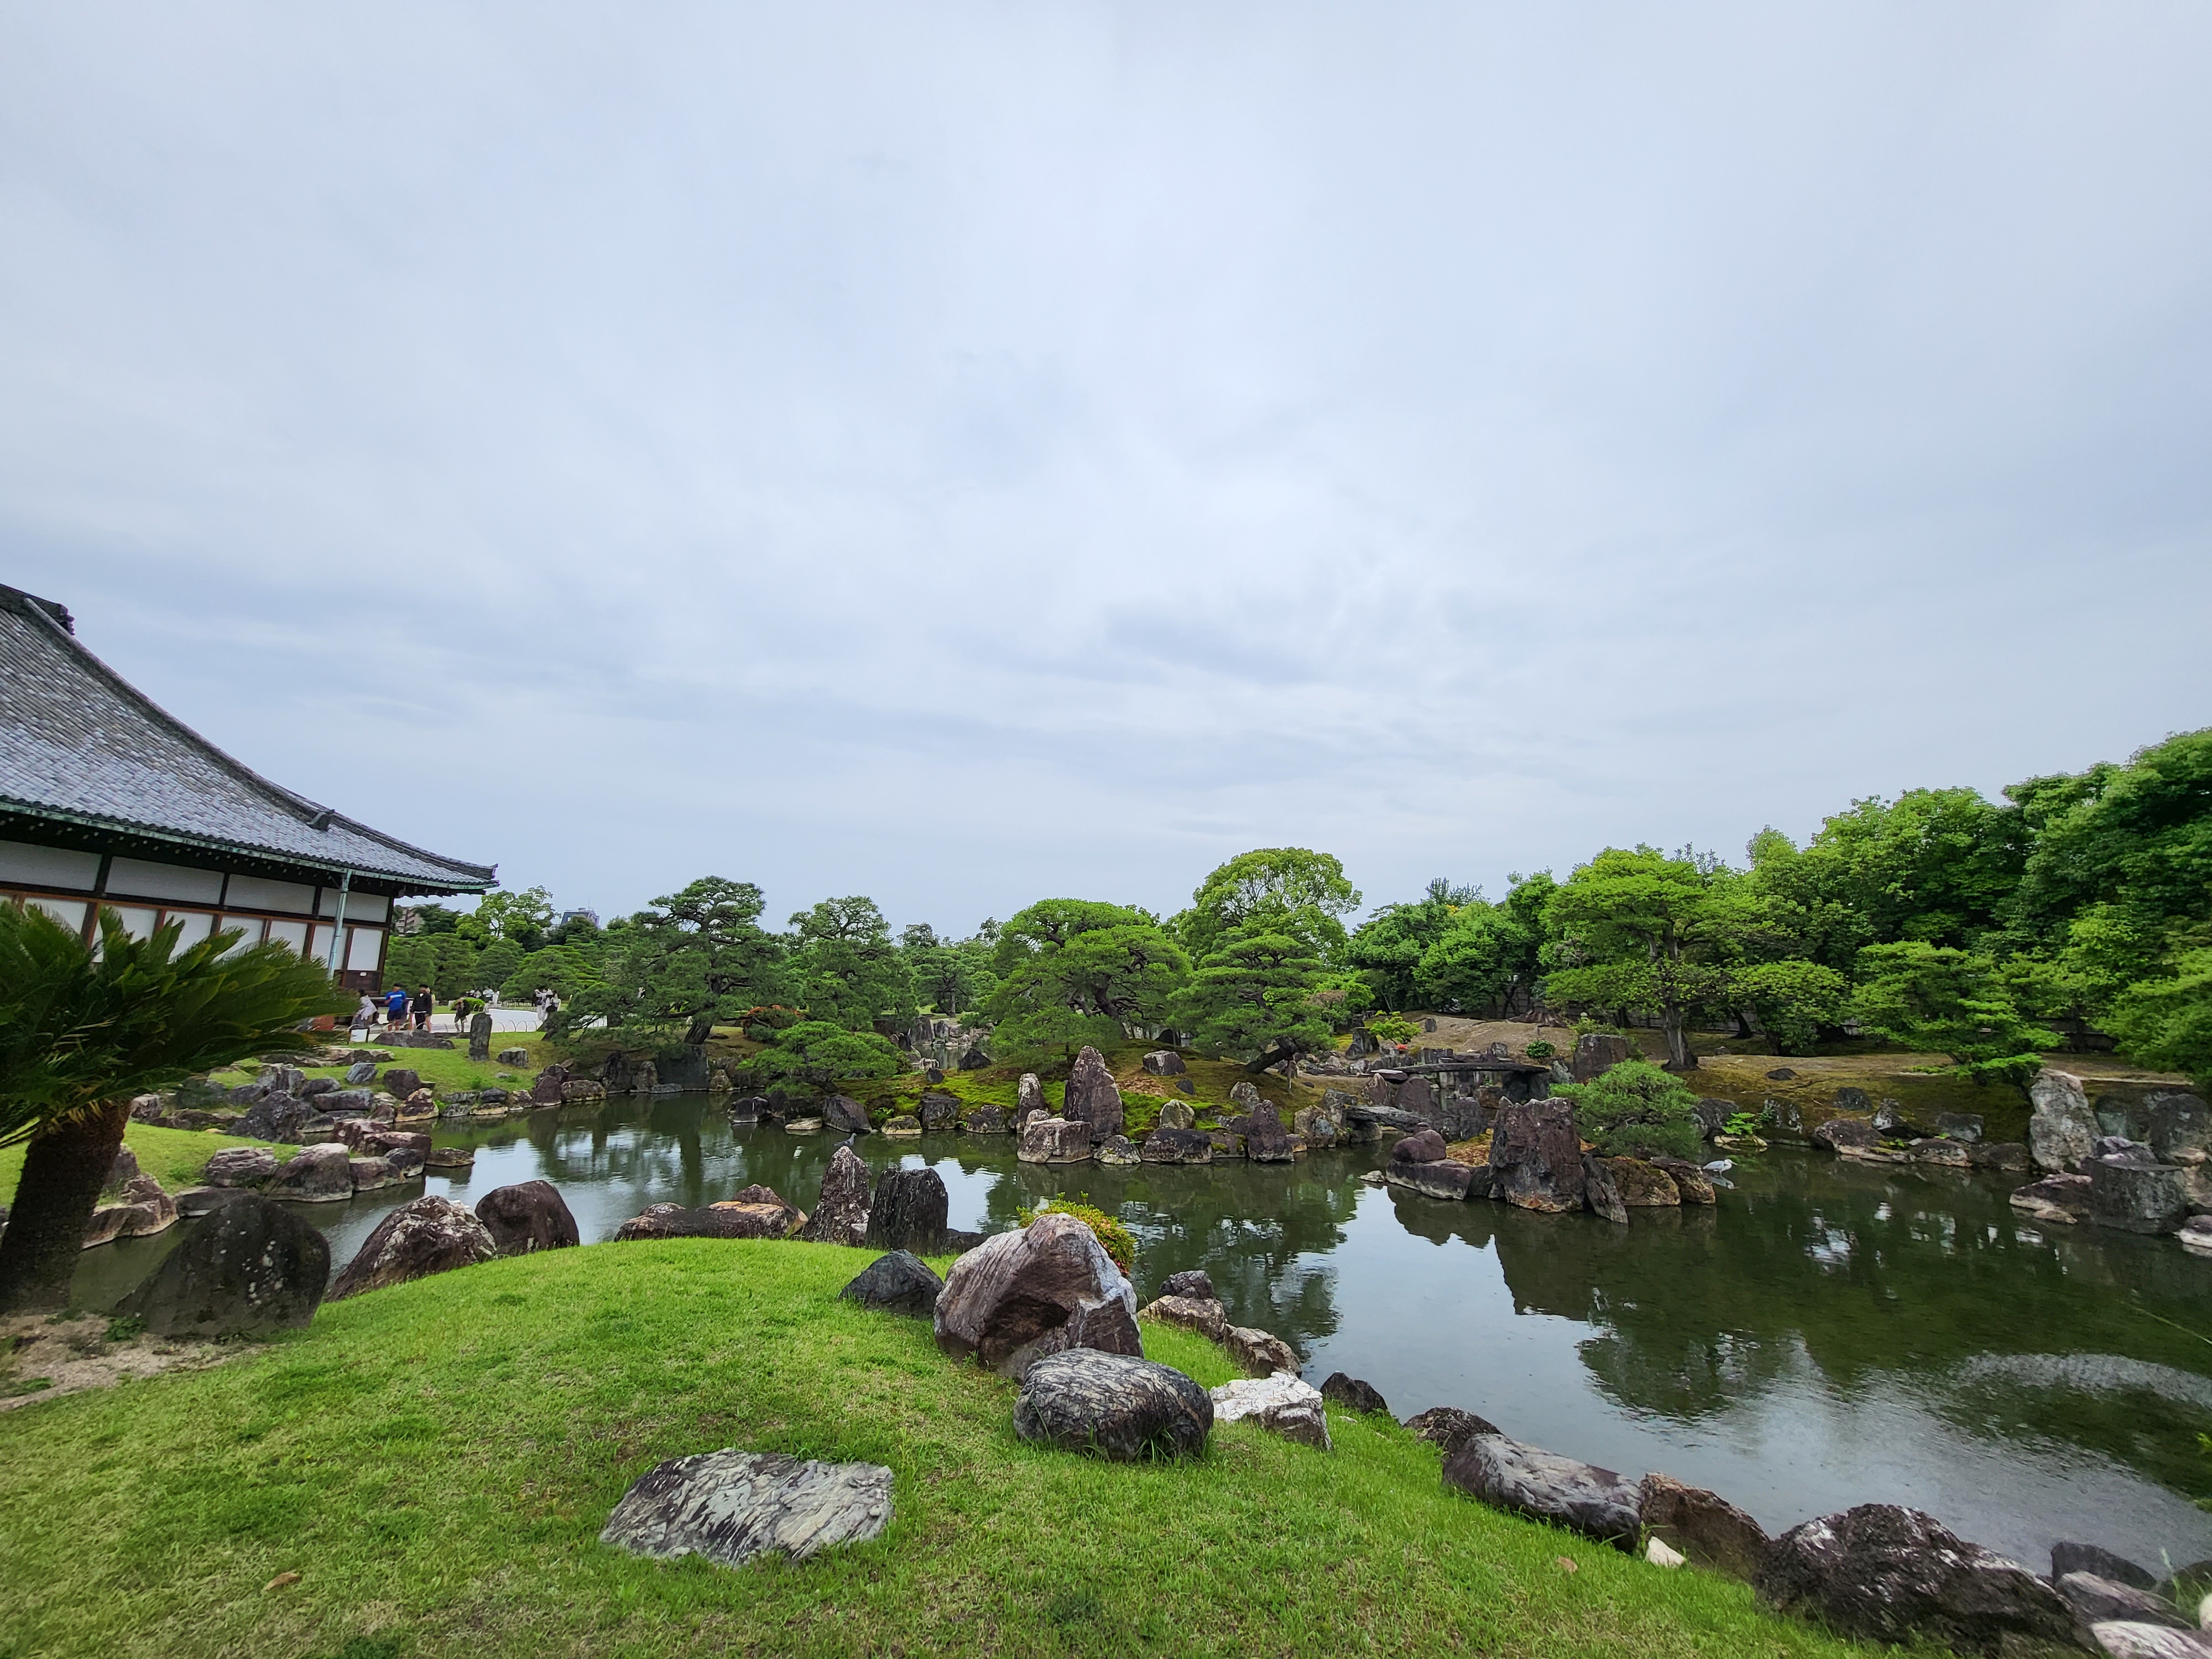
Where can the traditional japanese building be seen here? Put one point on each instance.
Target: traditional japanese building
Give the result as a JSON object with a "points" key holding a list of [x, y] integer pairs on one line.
{"points": [[105, 800]]}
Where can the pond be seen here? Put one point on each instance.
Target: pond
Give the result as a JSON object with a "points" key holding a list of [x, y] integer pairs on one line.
{"points": [[1831, 1335]]}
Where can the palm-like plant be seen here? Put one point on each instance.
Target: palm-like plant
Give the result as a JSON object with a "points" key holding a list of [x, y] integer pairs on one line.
{"points": [[83, 1030]]}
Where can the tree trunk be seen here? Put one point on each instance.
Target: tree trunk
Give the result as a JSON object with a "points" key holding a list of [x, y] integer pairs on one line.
{"points": [[1679, 1057], [63, 1170]]}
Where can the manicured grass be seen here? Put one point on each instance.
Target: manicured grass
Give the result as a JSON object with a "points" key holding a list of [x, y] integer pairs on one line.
{"points": [[172, 1156], [441, 1068], [436, 1462]]}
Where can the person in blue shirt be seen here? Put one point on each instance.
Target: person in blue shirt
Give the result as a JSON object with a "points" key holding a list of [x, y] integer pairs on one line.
{"points": [[395, 1007]]}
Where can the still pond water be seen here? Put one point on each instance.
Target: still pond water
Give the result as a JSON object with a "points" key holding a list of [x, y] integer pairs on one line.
{"points": [[1831, 1335]]}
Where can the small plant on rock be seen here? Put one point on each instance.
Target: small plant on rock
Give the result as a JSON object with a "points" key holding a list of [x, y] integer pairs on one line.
{"points": [[1113, 1237], [1540, 1049], [1391, 1027]]}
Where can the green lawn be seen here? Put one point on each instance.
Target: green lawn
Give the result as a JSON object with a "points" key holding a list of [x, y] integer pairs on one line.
{"points": [[172, 1156], [436, 1462], [441, 1068]]}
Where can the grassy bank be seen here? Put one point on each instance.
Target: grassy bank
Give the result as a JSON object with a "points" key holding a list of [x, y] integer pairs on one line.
{"points": [[436, 1462], [441, 1068], [172, 1156]]}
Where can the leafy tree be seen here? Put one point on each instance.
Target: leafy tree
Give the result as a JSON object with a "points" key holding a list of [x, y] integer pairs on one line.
{"points": [[697, 958], [455, 974], [1392, 1028], [1641, 930], [523, 918], [951, 976], [496, 963], [1794, 1000], [82, 1032], [2168, 1022], [1072, 971], [816, 1054], [410, 960], [1634, 1109], [1256, 997], [1388, 947], [1277, 890], [1483, 951], [1939, 997], [846, 969], [425, 919]]}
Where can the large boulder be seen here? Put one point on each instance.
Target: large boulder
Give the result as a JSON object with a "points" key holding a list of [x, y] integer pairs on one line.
{"points": [[239, 1166], [1599, 1193], [1092, 1096], [1116, 1405], [1445, 1179], [1895, 1575], [142, 1208], [1266, 1140], [2063, 1198], [1545, 1486], [1713, 1114], [1029, 1100], [938, 1111], [1280, 1403], [1167, 1145], [908, 1213], [2135, 1192], [842, 1114], [528, 1216], [1448, 1427], [1118, 1151], [1643, 1186], [1536, 1155], [274, 1116], [1164, 1062], [1595, 1054], [321, 1174], [1838, 1133], [2068, 1557], [254, 1268], [1261, 1353], [402, 1081], [898, 1283], [1177, 1114], [986, 1121], [841, 1214], [1191, 1282], [1054, 1140], [2098, 1601], [1018, 1296], [1691, 1183], [757, 1212], [1703, 1527], [2062, 1129], [422, 1236], [1422, 1146], [1353, 1394], [1316, 1125], [1192, 1313], [2128, 1638], [729, 1506], [360, 1072], [2175, 1121]]}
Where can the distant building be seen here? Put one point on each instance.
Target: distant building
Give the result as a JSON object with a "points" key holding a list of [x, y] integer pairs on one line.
{"points": [[104, 799], [590, 916]]}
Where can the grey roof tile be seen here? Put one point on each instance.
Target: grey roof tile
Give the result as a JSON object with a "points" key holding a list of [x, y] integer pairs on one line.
{"points": [[77, 741]]}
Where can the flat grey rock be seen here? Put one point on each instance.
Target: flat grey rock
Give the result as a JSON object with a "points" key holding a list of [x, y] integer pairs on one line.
{"points": [[729, 1506]]}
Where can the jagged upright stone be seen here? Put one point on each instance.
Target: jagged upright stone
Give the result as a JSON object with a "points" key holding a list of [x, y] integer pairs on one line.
{"points": [[1536, 1155], [1092, 1096], [1595, 1054], [2063, 1130], [480, 1036], [840, 1214], [908, 1211], [1029, 1101]]}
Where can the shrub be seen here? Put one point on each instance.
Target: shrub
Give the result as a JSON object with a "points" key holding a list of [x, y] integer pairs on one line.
{"points": [[1636, 1110], [1393, 1029], [1541, 1049], [816, 1053], [1113, 1237]]}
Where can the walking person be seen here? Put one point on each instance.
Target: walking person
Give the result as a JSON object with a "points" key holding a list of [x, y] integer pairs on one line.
{"points": [[395, 1007], [420, 1004]]}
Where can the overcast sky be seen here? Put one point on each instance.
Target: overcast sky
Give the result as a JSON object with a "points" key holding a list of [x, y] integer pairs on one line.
{"points": [[969, 453]]}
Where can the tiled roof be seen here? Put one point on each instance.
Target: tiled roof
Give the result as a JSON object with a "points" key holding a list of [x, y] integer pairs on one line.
{"points": [[77, 743]]}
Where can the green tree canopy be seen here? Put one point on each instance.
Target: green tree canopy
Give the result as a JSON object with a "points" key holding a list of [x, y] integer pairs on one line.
{"points": [[1952, 1001], [1257, 998], [1072, 971], [1388, 946], [951, 976], [1276, 890], [846, 967], [697, 958], [1633, 1109], [818, 1053], [522, 918], [1794, 1000]]}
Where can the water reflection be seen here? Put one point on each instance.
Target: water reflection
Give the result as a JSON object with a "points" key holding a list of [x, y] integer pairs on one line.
{"points": [[1830, 1334]]}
